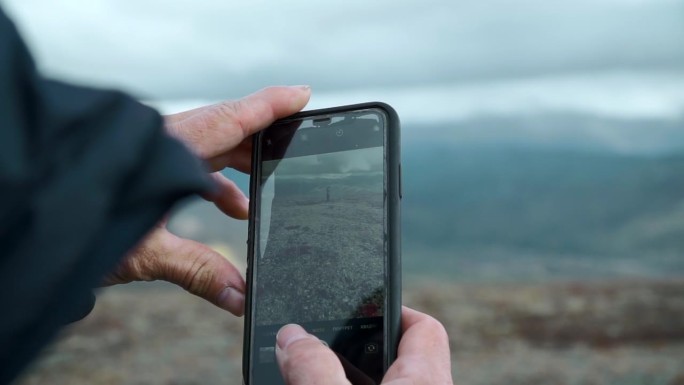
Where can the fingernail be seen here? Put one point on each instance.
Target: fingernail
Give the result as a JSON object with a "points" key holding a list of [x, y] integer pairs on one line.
{"points": [[289, 334], [303, 87], [232, 300]]}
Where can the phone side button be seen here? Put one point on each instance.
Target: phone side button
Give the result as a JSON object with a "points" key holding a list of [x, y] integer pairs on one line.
{"points": [[401, 193]]}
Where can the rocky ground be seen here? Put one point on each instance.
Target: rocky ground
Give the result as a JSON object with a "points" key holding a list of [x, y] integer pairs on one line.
{"points": [[339, 254], [620, 332]]}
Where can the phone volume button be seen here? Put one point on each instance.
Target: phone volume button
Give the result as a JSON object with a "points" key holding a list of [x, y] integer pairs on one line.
{"points": [[401, 193]]}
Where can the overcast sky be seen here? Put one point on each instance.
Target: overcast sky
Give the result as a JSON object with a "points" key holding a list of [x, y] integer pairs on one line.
{"points": [[434, 61], [184, 49]]}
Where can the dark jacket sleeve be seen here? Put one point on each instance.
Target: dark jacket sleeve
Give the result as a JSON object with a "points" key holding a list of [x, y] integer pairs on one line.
{"points": [[84, 174]]}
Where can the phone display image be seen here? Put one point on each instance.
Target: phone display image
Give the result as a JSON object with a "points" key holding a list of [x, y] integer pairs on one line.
{"points": [[320, 247], [321, 243]]}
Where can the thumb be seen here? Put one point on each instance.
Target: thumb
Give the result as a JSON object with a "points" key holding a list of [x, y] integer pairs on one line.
{"points": [[191, 265], [304, 360]]}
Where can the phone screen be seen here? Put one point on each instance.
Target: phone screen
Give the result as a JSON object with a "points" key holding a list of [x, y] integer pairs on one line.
{"points": [[321, 247]]}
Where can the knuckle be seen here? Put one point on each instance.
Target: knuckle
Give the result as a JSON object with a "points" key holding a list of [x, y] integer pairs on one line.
{"points": [[238, 113], [228, 109], [435, 326], [143, 262], [192, 133], [198, 278]]}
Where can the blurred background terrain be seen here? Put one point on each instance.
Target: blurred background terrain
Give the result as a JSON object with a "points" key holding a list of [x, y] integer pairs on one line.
{"points": [[543, 160]]}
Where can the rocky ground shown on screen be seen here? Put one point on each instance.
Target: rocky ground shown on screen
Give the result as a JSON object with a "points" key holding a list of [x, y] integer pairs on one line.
{"points": [[614, 333], [324, 259]]}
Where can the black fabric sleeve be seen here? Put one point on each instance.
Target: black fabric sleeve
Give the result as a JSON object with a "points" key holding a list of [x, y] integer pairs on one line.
{"points": [[84, 174]]}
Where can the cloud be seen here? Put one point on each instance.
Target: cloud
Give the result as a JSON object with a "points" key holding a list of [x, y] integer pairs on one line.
{"points": [[219, 49], [621, 95], [626, 112]]}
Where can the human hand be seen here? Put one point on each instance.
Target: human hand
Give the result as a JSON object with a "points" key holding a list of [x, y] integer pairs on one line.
{"points": [[220, 134], [423, 356]]}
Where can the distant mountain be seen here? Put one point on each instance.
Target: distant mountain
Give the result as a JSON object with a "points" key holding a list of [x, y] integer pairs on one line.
{"points": [[647, 136], [529, 198], [532, 196], [554, 199]]}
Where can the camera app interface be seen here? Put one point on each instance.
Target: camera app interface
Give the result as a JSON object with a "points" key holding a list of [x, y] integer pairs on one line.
{"points": [[321, 245]]}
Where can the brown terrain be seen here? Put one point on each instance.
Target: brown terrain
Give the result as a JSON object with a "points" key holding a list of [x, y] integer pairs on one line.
{"points": [[619, 332]]}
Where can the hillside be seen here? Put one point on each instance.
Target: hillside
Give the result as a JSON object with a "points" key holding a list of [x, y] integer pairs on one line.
{"points": [[611, 333], [481, 202], [509, 198]]}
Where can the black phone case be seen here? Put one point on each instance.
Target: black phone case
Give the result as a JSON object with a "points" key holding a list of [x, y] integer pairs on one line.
{"points": [[393, 279]]}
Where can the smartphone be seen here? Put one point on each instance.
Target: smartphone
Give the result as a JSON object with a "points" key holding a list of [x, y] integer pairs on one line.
{"points": [[324, 239]]}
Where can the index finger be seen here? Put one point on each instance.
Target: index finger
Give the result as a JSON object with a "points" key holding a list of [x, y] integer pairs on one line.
{"points": [[216, 129], [257, 111]]}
